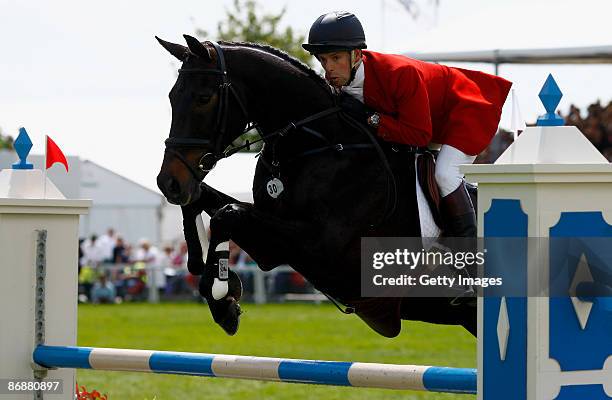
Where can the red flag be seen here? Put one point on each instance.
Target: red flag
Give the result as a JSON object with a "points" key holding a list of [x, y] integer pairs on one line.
{"points": [[54, 154]]}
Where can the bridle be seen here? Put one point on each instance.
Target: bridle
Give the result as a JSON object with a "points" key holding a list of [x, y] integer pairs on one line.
{"points": [[226, 90], [209, 159]]}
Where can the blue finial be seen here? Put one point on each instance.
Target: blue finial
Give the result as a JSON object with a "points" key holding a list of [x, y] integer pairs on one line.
{"points": [[22, 146], [550, 95]]}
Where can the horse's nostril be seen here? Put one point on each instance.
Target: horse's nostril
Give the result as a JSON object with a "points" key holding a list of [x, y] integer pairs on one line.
{"points": [[173, 186]]}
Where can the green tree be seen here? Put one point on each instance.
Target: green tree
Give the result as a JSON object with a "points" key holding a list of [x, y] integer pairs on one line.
{"points": [[244, 23], [6, 142]]}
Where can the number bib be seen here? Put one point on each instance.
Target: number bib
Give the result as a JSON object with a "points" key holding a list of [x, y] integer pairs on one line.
{"points": [[274, 187]]}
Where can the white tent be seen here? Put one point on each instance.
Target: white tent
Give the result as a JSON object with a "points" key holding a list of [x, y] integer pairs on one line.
{"points": [[234, 176]]}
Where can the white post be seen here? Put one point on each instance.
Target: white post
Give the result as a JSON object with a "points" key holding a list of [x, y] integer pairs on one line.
{"points": [[550, 183], [24, 211], [152, 271], [259, 286]]}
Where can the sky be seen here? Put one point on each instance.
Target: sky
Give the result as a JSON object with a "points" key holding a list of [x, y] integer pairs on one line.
{"points": [[92, 76]]}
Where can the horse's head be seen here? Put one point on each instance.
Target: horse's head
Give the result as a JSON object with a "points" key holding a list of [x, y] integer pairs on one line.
{"points": [[201, 99]]}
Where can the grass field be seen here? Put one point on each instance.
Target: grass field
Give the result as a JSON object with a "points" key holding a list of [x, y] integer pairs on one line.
{"points": [[280, 330]]}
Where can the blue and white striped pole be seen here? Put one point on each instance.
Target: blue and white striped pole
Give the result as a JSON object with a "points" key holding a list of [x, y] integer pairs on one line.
{"points": [[389, 376]]}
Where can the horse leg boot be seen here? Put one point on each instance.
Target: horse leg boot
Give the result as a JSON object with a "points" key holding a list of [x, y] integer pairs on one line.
{"points": [[458, 213], [220, 286], [210, 201]]}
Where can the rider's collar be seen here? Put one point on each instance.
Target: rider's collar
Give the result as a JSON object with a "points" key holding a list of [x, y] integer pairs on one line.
{"points": [[357, 81], [355, 87]]}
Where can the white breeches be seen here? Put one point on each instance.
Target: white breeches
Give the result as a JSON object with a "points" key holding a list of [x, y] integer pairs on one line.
{"points": [[448, 175]]}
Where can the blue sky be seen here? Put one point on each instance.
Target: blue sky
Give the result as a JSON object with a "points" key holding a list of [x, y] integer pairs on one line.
{"points": [[91, 75]]}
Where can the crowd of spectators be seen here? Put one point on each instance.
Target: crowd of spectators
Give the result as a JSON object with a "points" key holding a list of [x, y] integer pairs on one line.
{"points": [[111, 270], [596, 126]]}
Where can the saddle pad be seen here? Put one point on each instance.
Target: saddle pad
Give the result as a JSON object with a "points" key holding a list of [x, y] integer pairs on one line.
{"points": [[429, 228]]}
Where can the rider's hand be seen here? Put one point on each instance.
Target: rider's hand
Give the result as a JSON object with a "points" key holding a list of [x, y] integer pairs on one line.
{"points": [[354, 107]]}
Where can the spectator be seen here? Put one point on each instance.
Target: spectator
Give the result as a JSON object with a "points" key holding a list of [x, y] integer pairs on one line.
{"points": [[81, 254], [120, 252], [164, 264], [573, 117], [129, 251], [178, 279], [597, 126], [103, 291], [87, 277], [107, 244], [146, 252], [179, 258], [593, 131], [93, 254], [150, 257]]}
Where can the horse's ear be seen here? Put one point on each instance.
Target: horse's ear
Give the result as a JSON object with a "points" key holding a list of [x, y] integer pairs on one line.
{"points": [[197, 48], [177, 50]]}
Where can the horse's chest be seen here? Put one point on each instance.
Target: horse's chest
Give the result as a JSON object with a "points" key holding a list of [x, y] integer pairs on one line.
{"points": [[270, 192]]}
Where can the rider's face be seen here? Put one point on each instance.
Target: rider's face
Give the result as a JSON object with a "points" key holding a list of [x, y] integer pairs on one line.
{"points": [[337, 66]]}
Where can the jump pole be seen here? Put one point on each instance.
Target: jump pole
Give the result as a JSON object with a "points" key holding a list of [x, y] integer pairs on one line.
{"points": [[335, 373]]}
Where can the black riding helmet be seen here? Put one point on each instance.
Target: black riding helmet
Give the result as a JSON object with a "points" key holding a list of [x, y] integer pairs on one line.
{"points": [[338, 30]]}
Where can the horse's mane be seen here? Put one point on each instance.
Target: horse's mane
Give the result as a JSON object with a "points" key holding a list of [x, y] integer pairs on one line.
{"points": [[284, 56]]}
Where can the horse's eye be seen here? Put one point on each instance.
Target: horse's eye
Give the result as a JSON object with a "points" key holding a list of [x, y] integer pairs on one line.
{"points": [[203, 99]]}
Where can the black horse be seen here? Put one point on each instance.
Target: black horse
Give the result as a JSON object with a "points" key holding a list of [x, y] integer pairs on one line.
{"points": [[322, 182]]}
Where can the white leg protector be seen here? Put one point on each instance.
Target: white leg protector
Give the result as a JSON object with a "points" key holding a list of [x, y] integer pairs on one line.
{"points": [[448, 175]]}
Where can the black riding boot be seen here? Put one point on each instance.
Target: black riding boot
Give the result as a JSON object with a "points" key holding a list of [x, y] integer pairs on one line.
{"points": [[458, 213], [460, 221]]}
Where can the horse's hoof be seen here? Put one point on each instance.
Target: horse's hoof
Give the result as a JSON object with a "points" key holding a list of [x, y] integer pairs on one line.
{"points": [[231, 322], [226, 313], [234, 286]]}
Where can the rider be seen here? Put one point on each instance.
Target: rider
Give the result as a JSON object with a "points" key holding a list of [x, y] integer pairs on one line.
{"points": [[415, 103]]}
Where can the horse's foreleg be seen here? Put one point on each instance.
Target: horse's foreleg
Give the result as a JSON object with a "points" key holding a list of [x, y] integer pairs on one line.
{"points": [[209, 201], [266, 239]]}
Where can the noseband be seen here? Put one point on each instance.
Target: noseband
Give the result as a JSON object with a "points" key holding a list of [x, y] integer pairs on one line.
{"points": [[208, 160]]}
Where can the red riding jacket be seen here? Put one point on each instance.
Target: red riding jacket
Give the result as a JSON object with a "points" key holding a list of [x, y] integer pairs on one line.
{"points": [[422, 102]]}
